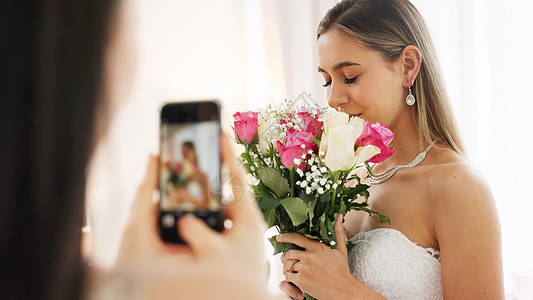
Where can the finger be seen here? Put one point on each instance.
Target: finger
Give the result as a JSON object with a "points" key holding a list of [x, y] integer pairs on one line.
{"points": [[291, 266], [198, 235], [297, 239], [245, 211], [339, 233], [290, 289], [294, 279], [292, 255], [143, 207]]}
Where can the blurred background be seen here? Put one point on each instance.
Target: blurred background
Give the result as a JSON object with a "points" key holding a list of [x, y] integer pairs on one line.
{"points": [[247, 53]]}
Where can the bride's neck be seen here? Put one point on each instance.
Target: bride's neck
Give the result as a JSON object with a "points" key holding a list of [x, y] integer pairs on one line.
{"points": [[407, 146]]}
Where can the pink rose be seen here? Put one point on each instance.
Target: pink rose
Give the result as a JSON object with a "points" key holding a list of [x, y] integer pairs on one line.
{"points": [[246, 127], [177, 168], [377, 135], [311, 124], [292, 149]]}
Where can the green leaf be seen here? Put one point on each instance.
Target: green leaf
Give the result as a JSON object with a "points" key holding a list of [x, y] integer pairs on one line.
{"points": [[282, 247], [322, 227], [296, 208], [306, 197], [270, 217], [352, 192], [330, 226], [356, 177], [312, 237], [343, 209], [308, 297], [271, 178], [303, 231], [326, 197], [382, 218], [358, 206], [266, 202]]}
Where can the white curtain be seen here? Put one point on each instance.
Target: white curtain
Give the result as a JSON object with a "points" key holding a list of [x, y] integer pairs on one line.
{"points": [[250, 52]]}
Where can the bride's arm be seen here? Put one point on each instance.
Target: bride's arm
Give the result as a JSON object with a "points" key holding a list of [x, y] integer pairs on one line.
{"points": [[321, 272], [466, 226]]}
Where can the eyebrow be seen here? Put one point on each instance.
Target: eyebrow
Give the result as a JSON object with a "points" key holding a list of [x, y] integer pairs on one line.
{"points": [[340, 66]]}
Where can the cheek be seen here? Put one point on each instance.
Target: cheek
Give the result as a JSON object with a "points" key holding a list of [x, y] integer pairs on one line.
{"points": [[377, 96]]}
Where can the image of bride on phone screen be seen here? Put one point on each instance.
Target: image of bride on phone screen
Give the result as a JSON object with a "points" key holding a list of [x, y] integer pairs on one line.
{"points": [[187, 187]]}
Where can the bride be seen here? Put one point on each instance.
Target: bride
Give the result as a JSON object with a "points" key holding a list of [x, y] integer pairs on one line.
{"points": [[444, 241]]}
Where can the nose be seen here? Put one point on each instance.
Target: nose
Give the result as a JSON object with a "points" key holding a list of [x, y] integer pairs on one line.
{"points": [[336, 97]]}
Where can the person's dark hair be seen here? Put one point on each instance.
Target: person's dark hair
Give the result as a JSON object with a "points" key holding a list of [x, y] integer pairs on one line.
{"points": [[51, 60], [189, 145], [388, 26]]}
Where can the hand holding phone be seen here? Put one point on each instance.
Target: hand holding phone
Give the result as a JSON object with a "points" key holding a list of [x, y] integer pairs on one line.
{"points": [[152, 269]]}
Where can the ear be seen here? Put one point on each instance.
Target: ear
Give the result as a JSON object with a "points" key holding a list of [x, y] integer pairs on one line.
{"points": [[411, 60]]}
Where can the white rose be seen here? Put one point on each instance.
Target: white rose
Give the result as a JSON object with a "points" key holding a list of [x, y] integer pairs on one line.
{"points": [[267, 132], [333, 118], [338, 142]]}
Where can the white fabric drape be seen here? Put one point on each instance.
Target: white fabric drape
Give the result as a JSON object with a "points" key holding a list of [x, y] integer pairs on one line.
{"points": [[250, 52]]}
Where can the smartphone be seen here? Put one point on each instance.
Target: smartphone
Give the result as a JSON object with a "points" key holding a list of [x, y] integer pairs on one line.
{"points": [[189, 166]]}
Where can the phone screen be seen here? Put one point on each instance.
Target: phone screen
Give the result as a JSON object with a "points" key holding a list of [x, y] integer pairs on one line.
{"points": [[189, 171]]}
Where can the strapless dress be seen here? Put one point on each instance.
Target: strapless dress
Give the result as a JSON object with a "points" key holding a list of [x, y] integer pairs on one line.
{"points": [[395, 267]]}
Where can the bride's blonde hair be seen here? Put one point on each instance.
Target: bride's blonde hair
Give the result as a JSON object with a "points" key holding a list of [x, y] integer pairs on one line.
{"points": [[388, 26]]}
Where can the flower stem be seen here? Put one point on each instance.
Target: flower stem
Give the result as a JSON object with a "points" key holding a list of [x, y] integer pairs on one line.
{"points": [[334, 193], [292, 180]]}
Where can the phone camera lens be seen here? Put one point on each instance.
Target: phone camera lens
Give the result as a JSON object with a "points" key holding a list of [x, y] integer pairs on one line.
{"points": [[168, 221], [212, 221]]}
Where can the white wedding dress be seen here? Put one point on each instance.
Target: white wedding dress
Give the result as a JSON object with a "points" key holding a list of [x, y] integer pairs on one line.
{"points": [[395, 267]]}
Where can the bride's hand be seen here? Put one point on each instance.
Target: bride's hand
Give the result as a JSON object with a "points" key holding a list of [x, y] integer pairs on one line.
{"points": [[319, 270]]}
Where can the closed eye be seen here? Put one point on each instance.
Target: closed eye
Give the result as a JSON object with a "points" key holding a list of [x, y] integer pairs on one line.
{"points": [[326, 84], [350, 80]]}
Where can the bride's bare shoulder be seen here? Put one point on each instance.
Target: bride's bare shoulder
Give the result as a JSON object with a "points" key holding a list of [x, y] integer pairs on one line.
{"points": [[449, 169], [455, 186]]}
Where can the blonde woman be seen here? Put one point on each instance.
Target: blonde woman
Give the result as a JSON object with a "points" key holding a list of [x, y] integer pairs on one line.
{"points": [[444, 241]]}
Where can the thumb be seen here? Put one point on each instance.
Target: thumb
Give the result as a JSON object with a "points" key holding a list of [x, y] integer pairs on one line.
{"points": [[200, 237], [341, 237]]}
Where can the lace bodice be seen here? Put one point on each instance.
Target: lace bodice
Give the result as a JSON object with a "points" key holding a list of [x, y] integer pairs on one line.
{"points": [[389, 263]]}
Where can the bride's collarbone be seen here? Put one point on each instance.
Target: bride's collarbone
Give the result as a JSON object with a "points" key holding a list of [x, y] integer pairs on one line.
{"points": [[402, 198]]}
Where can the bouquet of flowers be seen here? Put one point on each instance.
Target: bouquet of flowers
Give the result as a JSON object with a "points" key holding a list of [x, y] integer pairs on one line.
{"points": [[301, 158], [179, 173]]}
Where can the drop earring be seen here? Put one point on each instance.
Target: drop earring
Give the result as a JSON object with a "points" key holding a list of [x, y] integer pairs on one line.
{"points": [[410, 100]]}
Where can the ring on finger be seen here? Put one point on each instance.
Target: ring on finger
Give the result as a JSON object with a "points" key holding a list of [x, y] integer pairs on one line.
{"points": [[292, 264]]}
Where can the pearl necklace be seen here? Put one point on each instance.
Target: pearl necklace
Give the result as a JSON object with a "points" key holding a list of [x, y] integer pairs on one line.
{"points": [[381, 177]]}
